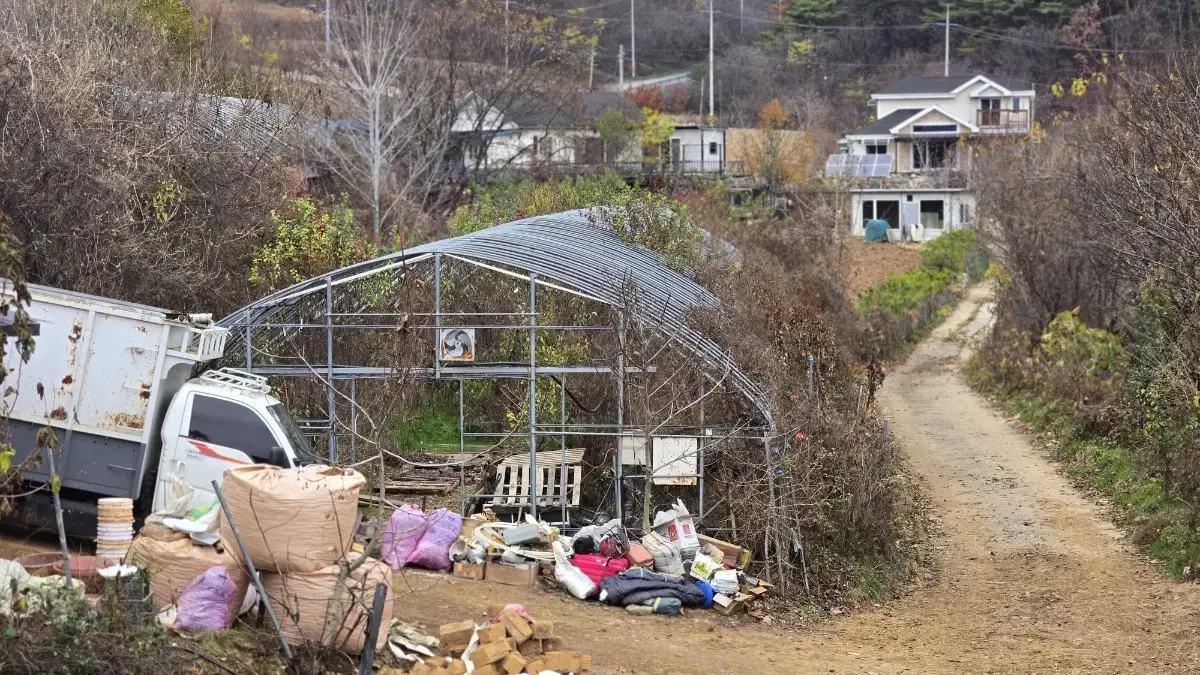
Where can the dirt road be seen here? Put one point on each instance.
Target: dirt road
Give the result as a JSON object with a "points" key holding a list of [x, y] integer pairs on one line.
{"points": [[1031, 577]]}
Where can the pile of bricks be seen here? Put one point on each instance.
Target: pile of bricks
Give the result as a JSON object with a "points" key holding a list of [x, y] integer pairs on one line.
{"points": [[510, 644]]}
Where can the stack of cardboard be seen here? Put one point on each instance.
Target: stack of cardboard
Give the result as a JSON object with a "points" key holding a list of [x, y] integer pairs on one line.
{"points": [[735, 603], [509, 645]]}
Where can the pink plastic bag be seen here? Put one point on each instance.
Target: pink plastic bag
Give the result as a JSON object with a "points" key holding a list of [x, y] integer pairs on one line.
{"points": [[433, 551], [401, 536], [206, 602]]}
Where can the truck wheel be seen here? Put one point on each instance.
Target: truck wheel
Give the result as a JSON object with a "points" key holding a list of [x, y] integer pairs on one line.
{"points": [[145, 501]]}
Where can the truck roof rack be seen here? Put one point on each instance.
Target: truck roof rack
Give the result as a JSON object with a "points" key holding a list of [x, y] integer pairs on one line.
{"points": [[239, 379]]}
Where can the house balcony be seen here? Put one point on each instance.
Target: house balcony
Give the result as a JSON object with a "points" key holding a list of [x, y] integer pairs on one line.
{"points": [[1002, 121]]}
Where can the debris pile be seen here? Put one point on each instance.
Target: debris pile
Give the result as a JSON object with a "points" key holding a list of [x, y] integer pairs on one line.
{"points": [[513, 642]]}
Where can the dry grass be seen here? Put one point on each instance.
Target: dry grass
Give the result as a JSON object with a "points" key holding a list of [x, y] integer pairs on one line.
{"points": [[867, 264], [242, 9]]}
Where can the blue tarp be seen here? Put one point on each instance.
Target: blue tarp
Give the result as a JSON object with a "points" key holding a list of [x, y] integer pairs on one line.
{"points": [[877, 230]]}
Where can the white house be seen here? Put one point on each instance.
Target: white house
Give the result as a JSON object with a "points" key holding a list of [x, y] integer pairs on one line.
{"points": [[535, 131], [912, 165], [696, 148]]}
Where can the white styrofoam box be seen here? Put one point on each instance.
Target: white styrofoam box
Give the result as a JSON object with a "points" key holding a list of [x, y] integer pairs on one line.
{"points": [[675, 460], [633, 450]]}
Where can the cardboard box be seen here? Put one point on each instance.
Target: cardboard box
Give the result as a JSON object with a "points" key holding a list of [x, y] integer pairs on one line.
{"points": [[455, 636], [511, 575], [467, 570], [492, 633], [703, 567], [489, 653], [726, 605]]}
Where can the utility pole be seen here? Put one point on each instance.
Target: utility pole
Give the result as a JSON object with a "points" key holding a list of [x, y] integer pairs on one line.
{"points": [[632, 42], [506, 34], [712, 77], [741, 17], [946, 68], [592, 66], [621, 68], [328, 19]]}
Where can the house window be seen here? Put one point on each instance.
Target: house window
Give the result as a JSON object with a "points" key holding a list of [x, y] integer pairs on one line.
{"points": [[1016, 104], [935, 128], [868, 211], [712, 148], [547, 147], [933, 153], [989, 112], [877, 148], [964, 213], [889, 210], [933, 213]]}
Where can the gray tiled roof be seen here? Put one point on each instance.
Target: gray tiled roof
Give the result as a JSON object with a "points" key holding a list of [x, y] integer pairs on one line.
{"points": [[882, 125], [946, 85]]}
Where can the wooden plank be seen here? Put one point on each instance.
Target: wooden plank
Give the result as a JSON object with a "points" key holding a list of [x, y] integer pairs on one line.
{"points": [[545, 458], [576, 481]]}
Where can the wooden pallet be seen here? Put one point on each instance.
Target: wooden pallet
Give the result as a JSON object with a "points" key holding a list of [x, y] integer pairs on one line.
{"points": [[512, 481]]}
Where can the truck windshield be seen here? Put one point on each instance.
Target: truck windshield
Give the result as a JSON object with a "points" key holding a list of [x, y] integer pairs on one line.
{"points": [[300, 444]]}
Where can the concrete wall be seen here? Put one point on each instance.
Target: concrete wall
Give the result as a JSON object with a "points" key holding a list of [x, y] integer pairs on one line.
{"points": [[959, 209]]}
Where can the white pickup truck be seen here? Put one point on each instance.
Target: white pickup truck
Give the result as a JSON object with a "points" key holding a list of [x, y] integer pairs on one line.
{"points": [[114, 381]]}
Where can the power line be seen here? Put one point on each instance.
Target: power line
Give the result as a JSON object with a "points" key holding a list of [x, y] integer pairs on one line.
{"points": [[1060, 45]]}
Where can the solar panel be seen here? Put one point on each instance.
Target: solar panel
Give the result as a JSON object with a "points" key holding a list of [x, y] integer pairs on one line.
{"points": [[836, 165], [881, 166], [859, 166]]}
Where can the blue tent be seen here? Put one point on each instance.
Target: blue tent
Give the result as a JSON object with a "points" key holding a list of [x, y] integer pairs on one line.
{"points": [[877, 230]]}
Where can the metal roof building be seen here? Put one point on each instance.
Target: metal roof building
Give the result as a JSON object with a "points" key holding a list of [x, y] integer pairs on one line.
{"points": [[574, 252]]}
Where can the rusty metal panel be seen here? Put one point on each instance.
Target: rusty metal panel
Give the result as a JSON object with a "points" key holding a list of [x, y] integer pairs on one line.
{"points": [[118, 374]]}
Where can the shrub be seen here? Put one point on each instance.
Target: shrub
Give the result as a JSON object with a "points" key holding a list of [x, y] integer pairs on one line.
{"points": [[310, 239], [1091, 353], [956, 252], [905, 291]]}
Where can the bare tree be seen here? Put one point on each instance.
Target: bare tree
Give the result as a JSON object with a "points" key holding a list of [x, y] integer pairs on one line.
{"points": [[398, 120]]}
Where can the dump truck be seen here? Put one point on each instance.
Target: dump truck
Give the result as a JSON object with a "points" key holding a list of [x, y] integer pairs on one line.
{"points": [[124, 390]]}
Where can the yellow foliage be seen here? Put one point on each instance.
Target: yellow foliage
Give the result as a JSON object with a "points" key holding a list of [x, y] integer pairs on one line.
{"points": [[773, 115], [776, 155], [801, 51]]}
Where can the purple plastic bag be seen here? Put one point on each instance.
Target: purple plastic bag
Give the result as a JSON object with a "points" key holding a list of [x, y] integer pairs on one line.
{"points": [[207, 602], [401, 536], [433, 552]]}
